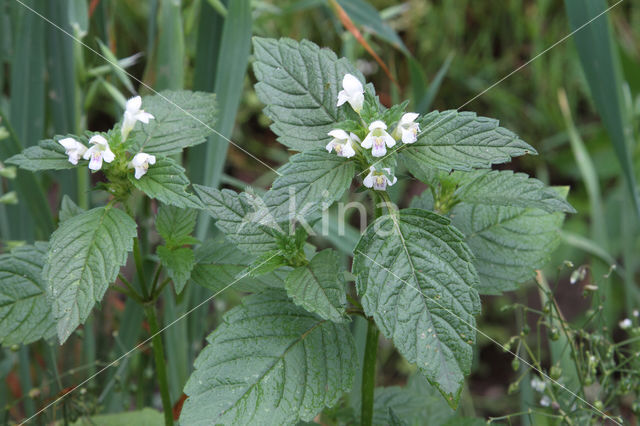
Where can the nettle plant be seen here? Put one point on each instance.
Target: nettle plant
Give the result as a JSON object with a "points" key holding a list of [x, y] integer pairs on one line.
{"points": [[287, 351]]}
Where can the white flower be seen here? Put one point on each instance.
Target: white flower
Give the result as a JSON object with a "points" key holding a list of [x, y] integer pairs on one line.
{"points": [[342, 143], [353, 92], [141, 162], [538, 384], [625, 323], [408, 129], [636, 313], [133, 113], [378, 138], [98, 152], [545, 401], [73, 149], [378, 180]]}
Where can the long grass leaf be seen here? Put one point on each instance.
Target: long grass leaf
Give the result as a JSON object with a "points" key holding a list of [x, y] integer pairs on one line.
{"points": [[601, 65]]}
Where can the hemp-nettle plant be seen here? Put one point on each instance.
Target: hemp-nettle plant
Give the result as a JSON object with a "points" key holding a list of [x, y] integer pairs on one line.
{"points": [[287, 352]]}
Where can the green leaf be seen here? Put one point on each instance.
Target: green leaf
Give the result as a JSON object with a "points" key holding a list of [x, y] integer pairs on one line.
{"points": [[244, 218], [509, 243], [506, 188], [144, 417], [68, 209], [600, 61], [179, 263], [319, 286], [167, 182], [25, 312], [270, 359], [315, 179], [175, 225], [417, 401], [47, 155], [415, 276], [85, 255], [182, 119], [452, 140], [219, 263], [299, 83]]}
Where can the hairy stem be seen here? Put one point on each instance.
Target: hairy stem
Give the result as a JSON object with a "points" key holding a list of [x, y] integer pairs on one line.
{"points": [[369, 373], [161, 365]]}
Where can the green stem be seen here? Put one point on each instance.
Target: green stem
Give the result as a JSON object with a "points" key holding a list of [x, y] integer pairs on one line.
{"points": [[369, 373], [161, 365], [137, 256]]}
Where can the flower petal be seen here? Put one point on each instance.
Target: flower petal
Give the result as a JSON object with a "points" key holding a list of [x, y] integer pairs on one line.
{"points": [[389, 140], [352, 85], [378, 124], [338, 134], [409, 117], [342, 98], [96, 161], [368, 181], [134, 104], [368, 141]]}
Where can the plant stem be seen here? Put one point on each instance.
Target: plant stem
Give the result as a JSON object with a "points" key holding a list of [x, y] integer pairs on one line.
{"points": [[369, 373], [137, 256], [161, 366]]}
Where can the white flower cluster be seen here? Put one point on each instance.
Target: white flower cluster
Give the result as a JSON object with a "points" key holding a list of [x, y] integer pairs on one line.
{"points": [[100, 152], [377, 140]]}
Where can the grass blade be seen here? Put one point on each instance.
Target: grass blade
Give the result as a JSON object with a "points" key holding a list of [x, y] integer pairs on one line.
{"points": [[601, 65], [230, 73]]}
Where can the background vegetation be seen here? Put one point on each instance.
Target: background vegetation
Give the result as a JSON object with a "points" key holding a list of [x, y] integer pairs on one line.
{"points": [[583, 121]]}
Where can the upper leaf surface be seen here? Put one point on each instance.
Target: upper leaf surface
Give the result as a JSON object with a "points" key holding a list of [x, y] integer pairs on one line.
{"points": [[506, 188], [299, 82], [85, 255], [308, 182], [245, 219], [415, 276], [179, 263], [319, 286], [270, 359], [219, 264], [175, 225], [25, 312], [167, 181], [452, 140], [47, 155], [509, 243], [181, 119]]}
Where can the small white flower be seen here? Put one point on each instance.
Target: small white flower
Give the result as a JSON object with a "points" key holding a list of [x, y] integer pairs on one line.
{"points": [[625, 323], [538, 384], [98, 152], [545, 401], [73, 149], [132, 114], [378, 138], [379, 180], [141, 162], [353, 93], [342, 143], [408, 129], [636, 313]]}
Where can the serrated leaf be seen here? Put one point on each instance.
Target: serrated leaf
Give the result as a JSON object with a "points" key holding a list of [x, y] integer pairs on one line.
{"points": [[181, 119], [179, 263], [412, 404], [506, 188], [47, 155], [319, 286], [309, 182], [85, 255], [243, 218], [68, 209], [175, 225], [299, 84], [270, 359], [219, 264], [167, 182], [415, 276], [25, 312], [451, 140], [509, 243]]}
